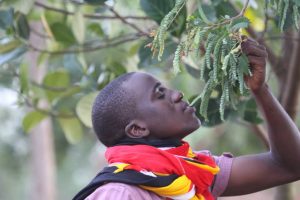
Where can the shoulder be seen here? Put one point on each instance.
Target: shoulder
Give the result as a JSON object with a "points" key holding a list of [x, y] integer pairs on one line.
{"points": [[221, 179], [121, 191]]}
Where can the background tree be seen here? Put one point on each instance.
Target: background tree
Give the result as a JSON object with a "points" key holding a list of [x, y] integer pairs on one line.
{"points": [[85, 44]]}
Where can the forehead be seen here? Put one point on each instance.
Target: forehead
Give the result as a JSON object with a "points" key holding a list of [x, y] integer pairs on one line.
{"points": [[140, 83]]}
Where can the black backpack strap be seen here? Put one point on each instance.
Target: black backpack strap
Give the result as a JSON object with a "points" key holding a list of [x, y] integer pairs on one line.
{"points": [[131, 177]]}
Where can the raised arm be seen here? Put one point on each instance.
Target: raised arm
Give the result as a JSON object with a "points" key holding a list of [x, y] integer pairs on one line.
{"points": [[281, 165]]}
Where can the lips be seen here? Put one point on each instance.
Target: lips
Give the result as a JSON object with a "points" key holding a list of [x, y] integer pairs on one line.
{"points": [[186, 107]]}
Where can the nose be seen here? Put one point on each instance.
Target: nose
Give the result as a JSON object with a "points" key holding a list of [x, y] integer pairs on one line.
{"points": [[177, 96]]}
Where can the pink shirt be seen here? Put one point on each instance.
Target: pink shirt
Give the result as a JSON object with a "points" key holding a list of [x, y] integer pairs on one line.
{"points": [[121, 191]]}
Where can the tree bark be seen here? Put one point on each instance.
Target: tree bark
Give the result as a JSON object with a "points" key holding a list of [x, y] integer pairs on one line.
{"points": [[289, 100], [41, 137], [42, 162]]}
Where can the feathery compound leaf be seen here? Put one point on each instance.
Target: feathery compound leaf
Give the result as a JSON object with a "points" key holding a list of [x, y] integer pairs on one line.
{"points": [[177, 59], [217, 55], [205, 96], [236, 24], [225, 63], [241, 80], [198, 38], [159, 39], [284, 13], [222, 106], [190, 40], [211, 40], [232, 70], [296, 16], [202, 14]]}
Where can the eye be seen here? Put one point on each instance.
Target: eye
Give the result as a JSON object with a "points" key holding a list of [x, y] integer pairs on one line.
{"points": [[160, 92]]}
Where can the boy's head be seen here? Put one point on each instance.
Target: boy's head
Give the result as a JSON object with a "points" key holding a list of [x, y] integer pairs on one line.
{"points": [[136, 105]]}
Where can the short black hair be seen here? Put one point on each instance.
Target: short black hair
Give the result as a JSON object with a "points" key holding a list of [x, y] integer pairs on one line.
{"points": [[112, 110]]}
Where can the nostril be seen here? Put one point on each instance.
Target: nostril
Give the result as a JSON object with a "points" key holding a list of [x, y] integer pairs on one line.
{"points": [[177, 96], [181, 95]]}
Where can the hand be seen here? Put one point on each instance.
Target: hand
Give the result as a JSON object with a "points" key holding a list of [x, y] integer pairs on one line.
{"points": [[257, 56]]}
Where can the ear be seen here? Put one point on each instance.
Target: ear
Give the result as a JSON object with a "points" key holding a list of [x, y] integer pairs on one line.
{"points": [[137, 129]]}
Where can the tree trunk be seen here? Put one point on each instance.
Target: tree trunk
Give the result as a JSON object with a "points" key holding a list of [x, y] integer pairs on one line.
{"points": [[289, 100], [42, 162], [41, 138]]}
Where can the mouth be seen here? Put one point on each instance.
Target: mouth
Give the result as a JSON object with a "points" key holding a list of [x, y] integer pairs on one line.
{"points": [[187, 108]]}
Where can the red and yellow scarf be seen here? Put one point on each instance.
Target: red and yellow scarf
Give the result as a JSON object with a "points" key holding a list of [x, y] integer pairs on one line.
{"points": [[195, 171]]}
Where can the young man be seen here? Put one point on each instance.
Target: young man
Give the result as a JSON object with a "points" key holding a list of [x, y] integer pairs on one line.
{"points": [[142, 123]]}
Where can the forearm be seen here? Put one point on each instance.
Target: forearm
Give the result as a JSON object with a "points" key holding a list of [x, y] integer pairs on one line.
{"points": [[283, 133]]}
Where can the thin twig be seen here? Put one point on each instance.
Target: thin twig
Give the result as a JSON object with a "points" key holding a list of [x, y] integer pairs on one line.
{"points": [[265, 23], [233, 18], [54, 89], [105, 44], [125, 20], [258, 130], [282, 37], [91, 16], [244, 8], [42, 35], [49, 112]]}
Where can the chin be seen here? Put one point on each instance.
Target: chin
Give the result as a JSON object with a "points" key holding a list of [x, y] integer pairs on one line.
{"points": [[191, 128]]}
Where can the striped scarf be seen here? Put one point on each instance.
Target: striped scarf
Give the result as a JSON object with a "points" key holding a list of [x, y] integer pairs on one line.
{"points": [[192, 174]]}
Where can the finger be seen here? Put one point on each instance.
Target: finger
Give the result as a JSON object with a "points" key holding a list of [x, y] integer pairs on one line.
{"points": [[257, 50], [256, 61], [251, 40]]}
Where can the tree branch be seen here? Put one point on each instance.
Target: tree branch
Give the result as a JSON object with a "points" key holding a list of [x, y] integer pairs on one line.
{"points": [[91, 16], [125, 20], [259, 131], [227, 21], [113, 42], [54, 89], [49, 112]]}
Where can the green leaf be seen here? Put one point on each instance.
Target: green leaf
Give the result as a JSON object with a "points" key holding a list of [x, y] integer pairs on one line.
{"points": [[157, 9], [9, 46], [72, 129], [62, 33], [53, 17], [224, 8], [56, 84], [96, 29], [241, 22], [117, 68], [22, 26], [146, 56], [213, 113], [78, 26], [24, 80], [84, 108], [32, 119], [244, 63], [73, 66], [21, 6], [6, 18], [297, 2], [202, 14], [43, 57], [95, 2], [248, 111], [192, 71], [4, 58]]}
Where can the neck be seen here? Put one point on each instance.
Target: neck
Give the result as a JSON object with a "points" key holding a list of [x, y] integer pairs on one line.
{"points": [[170, 142]]}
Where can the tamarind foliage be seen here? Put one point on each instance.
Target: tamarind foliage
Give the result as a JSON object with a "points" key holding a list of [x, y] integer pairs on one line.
{"points": [[285, 7], [223, 65]]}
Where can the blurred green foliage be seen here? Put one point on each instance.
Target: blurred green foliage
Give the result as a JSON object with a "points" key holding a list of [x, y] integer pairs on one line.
{"points": [[88, 44]]}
